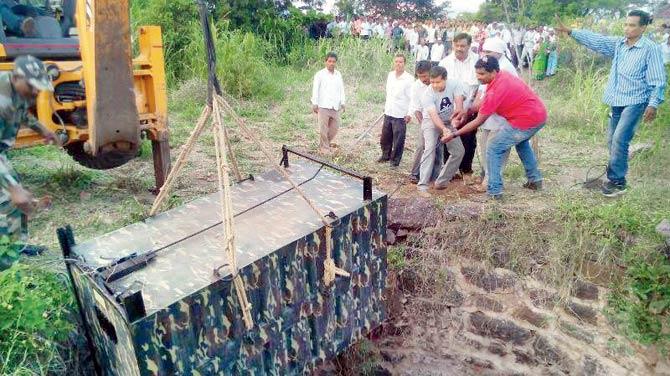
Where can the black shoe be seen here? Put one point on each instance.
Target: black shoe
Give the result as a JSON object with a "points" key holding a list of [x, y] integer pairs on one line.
{"points": [[610, 189], [30, 249], [382, 160], [414, 179], [533, 185], [394, 166]]}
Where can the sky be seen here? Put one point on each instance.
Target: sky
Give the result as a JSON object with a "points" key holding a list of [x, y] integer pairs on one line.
{"points": [[457, 6]]}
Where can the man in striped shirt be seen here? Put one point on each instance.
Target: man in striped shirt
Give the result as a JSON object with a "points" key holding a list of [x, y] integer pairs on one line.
{"points": [[635, 88]]}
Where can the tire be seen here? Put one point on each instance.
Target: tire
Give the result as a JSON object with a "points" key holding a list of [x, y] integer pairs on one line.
{"points": [[104, 161]]}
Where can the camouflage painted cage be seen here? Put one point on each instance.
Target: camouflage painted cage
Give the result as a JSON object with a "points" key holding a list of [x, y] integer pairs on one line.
{"points": [[152, 305]]}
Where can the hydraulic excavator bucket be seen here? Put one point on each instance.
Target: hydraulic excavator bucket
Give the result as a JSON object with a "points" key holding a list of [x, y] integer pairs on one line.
{"points": [[106, 46]]}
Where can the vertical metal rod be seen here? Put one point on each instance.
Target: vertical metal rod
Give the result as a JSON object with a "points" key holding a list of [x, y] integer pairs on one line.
{"points": [[65, 239], [367, 188], [284, 161]]}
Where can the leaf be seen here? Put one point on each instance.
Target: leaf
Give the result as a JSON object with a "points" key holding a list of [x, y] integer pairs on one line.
{"points": [[658, 306]]}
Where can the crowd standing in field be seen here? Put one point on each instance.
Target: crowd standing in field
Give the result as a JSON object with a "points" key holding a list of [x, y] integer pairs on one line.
{"points": [[434, 40], [466, 94]]}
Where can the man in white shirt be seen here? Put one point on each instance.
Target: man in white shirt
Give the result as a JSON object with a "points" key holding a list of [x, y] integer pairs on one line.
{"points": [[517, 36], [366, 29], [422, 51], [497, 48], [379, 29], [460, 65], [430, 34], [413, 39], [396, 112], [437, 52], [328, 102], [420, 85], [440, 103], [506, 36], [344, 27], [528, 48]]}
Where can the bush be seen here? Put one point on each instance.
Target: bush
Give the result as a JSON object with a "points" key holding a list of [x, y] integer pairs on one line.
{"points": [[357, 58], [35, 317], [180, 25]]}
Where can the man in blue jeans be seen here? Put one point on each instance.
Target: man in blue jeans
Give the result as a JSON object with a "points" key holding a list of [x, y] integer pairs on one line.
{"points": [[19, 19], [635, 88], [524, 114]]}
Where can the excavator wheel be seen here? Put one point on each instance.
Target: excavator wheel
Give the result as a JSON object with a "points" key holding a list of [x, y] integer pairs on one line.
{"points": [[104, 161]]}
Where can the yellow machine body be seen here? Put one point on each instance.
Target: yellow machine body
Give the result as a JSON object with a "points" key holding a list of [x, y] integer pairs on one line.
{"points": [[105, 101]]}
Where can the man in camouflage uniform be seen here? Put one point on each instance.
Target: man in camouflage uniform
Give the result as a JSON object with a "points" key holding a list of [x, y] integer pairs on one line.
{"points": [[18, 90]]}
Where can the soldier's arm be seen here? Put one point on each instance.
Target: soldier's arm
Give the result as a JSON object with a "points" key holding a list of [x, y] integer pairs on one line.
{"points": [[7, 179], [34, 124], [38, 127]]}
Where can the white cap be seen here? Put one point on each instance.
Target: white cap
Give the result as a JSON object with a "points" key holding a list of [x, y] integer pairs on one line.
{"points": [[495, 44]]}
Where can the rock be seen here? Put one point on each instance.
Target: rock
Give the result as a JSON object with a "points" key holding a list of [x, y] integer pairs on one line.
{"points": [[390, 237], [637, 149], [576, 332], [585, 290], [460, 211], [553, 371], [528, 315], [543, 298], [547, 353], [402, 234], [524, 357], [486, 304], [413, 213], [391, 357], [592, 367], [471, 342], [500, 257], [407, 280], [454, 298], [489, 281], [504, 330], [479, 363], [582, 312], [380, 370], [663, 228], [497, 348]]}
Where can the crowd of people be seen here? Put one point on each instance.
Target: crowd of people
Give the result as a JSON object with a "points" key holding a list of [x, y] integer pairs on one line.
{"points": [[469, 97], [534, 47]]}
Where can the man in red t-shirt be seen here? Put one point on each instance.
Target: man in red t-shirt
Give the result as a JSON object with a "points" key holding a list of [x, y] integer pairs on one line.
{"points": [[525, 114]]}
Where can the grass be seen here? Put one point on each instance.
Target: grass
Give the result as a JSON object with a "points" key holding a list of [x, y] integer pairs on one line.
{"points": [[556, 235], [35, 321]]}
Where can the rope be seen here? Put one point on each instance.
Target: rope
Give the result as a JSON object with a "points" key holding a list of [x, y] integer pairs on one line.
{"points": [[169, 181], [220, 141], [223, 168], [588, 180], [330, 269], [231, 155]]}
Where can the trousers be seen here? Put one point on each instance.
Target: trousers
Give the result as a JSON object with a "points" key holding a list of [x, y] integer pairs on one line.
{"points": [[392, 140], [432, 145], [622, 127]]}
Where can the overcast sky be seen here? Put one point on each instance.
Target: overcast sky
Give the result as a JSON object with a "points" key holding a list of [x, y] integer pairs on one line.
{"points": [[457, 6], [464, 5]]}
